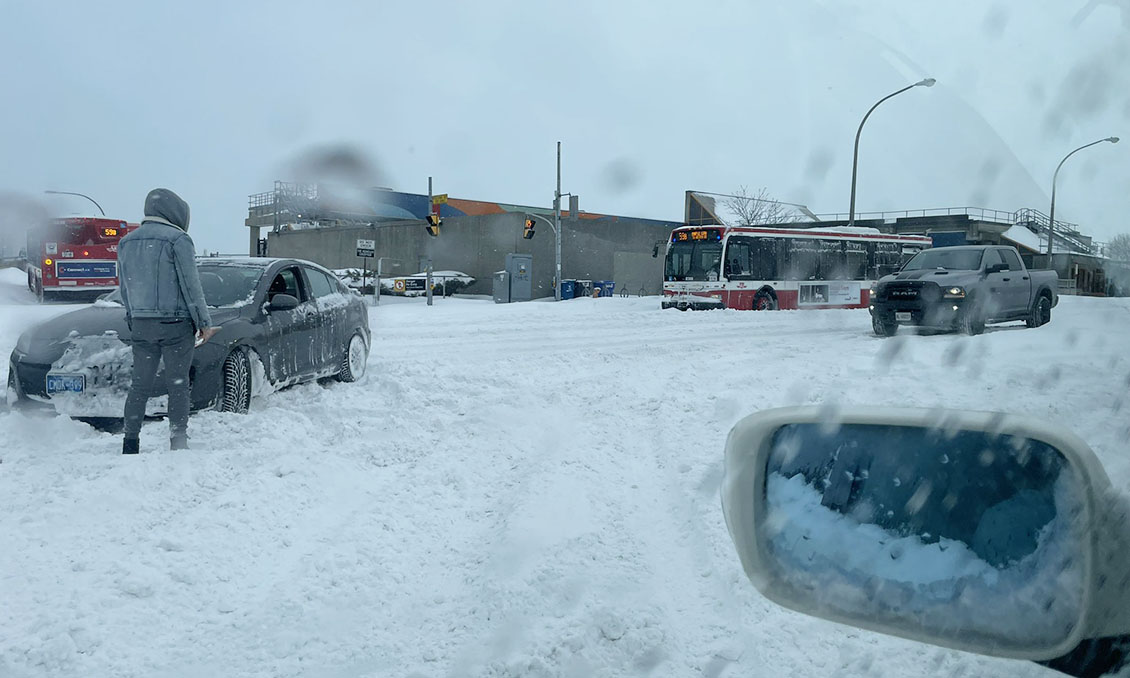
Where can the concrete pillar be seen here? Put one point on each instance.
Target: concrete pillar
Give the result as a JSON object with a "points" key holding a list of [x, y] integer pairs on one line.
{"points": [[253, 245]]}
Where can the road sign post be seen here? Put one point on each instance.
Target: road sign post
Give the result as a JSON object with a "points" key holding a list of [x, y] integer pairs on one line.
{"points": [[366, 249]]}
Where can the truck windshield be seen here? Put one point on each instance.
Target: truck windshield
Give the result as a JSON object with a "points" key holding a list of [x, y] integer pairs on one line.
{"points": [[943, 257], [693, 261]]}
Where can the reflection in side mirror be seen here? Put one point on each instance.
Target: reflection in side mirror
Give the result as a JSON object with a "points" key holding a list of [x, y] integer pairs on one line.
{"points": [[961, 533], [282, 302]]}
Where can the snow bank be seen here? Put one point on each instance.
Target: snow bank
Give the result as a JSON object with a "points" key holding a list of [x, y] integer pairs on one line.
{"points": [[512, 490]]}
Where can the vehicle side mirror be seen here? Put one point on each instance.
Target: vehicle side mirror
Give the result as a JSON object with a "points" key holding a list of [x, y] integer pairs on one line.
{"points": [[974, 531], [996, 268], [282, 302]]}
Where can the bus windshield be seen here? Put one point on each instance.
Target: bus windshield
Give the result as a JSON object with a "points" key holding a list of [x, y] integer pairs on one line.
{"points": [[693, 261], [945, 258]]}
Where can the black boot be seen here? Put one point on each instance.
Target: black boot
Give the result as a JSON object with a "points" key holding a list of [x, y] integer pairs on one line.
{"points": [[130, 446], [178, 441]]}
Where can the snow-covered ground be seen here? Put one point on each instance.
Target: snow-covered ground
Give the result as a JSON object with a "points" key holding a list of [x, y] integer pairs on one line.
{"points": [[519, 490]]}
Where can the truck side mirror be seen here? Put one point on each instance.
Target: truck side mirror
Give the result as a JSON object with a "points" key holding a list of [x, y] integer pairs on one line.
{"points": [[970, 530]]}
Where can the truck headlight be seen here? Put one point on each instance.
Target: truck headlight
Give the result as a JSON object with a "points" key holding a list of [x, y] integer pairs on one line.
{"points": [[874, 292], [955, 293]]}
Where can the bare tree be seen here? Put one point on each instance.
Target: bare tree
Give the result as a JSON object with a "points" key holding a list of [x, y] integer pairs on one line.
{"points": [[757, 208], [1118, 248]]}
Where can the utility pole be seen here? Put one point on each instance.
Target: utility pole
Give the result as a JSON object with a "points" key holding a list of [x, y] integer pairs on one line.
{"points": [[557, 229], [429, 269]]}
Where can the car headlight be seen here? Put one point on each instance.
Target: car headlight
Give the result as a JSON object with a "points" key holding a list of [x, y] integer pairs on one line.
{"points": [[23, 344], [955, 293]]}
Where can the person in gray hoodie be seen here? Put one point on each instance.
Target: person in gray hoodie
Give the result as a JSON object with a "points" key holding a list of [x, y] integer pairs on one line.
{"points": [[165, 311]]}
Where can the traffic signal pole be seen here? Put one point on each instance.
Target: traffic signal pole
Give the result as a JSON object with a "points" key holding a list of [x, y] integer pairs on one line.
{"points": [[557, 229], [428, 282]]}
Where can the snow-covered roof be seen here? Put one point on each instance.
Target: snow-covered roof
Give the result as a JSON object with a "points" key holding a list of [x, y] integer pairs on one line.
{"points": [[1024, 237]]}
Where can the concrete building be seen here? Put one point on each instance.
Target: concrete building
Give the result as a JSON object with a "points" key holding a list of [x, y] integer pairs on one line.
{"points": [[322, 223]]}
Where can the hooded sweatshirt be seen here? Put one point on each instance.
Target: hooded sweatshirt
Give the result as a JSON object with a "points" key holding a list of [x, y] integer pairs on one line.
{"points": [[157, 264]]}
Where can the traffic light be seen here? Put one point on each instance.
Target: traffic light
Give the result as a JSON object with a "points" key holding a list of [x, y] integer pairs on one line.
{"points": [[528, 232], [434, 222]]}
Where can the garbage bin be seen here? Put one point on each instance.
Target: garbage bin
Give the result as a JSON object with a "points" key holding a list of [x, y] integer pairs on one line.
{"points": [[568, 289], [582, 289], [607, 287]]}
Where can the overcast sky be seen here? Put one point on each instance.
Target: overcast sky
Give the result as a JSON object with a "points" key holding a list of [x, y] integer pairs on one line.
{"points": [[650, 98]]}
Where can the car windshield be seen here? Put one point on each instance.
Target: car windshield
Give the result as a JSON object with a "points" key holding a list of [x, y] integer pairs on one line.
{"points": [[224, 285], [948, 259], [229, 285]]}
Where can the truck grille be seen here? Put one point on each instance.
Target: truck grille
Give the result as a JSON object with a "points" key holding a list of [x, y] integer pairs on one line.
{"points": [[912, 290]]}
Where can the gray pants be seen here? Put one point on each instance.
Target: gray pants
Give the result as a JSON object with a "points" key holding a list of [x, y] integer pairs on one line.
{"points": [[153, 340]]}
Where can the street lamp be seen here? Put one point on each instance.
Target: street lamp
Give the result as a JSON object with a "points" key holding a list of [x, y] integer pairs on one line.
{"points": [[1051, 215], [79, 195], [928, 82]]}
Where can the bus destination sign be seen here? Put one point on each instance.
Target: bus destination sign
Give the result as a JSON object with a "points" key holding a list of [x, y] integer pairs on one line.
{"points": [[695, 235]]}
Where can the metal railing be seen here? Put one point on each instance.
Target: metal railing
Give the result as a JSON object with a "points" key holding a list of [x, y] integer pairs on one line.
{"points": [[978, 213]]}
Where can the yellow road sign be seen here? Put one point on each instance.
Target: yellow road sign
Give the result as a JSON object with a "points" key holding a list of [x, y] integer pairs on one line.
{"points": [[439, 199]]}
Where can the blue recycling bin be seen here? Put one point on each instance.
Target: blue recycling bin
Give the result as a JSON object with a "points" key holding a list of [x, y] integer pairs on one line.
{"points": [[568, 289], [607, 287]]}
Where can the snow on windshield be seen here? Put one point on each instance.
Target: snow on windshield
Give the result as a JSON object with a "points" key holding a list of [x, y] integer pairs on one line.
{"points": [[862, 569]]}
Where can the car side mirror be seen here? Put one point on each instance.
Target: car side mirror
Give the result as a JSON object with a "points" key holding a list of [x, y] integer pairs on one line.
{"points": [[974, 531], [282, 302], [996, 268]]}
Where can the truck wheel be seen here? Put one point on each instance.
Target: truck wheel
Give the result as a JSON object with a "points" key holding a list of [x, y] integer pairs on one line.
{"points": [[884, 327], [971, 321], [1041, 313]]}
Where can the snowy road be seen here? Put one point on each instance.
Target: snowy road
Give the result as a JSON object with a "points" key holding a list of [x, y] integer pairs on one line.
{"points": [[521, 490]]}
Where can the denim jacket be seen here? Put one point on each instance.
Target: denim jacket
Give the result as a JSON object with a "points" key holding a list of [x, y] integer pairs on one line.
{"points": [[158, 276]]}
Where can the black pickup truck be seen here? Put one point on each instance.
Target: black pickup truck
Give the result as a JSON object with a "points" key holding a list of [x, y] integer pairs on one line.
{"points": [[964, 288]]}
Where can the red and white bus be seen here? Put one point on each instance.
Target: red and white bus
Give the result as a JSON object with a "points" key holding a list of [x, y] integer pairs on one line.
{"points": [[766, 268], [74, 256]]}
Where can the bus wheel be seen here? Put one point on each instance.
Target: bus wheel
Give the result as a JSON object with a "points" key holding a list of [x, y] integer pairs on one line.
{"points": [[764, 302]]}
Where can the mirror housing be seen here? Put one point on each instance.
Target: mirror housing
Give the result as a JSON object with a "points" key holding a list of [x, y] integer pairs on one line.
{"points": [[850, 546], [282, 302]]}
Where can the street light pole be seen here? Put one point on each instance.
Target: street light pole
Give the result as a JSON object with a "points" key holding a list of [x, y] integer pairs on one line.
{"points": [[928, 82], [557, 229], [1051, 211], [79, 195]]}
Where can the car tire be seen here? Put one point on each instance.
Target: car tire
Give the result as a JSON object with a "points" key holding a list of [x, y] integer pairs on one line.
{"points": [[884, 327], [971, 321], [235, 390], [763, 301], [355, 358], [1041, 313]]}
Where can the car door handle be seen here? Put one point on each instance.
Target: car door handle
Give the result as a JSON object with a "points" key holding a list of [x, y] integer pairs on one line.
{"points": [[1024, 278], [1006, 279]]}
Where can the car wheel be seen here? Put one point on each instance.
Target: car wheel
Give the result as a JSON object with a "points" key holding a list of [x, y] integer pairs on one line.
{"points": [[884, 327], [1041, 313], [235, 395], [764, 302], [971, 321], [354, 360]]}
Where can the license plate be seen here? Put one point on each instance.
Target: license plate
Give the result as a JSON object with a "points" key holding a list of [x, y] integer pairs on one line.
{"points": [[65, 383], [902, 317]]}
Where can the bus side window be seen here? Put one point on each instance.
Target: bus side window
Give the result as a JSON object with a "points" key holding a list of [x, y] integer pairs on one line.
{"points": [[770, 253], [738, 259], [855, 260]]}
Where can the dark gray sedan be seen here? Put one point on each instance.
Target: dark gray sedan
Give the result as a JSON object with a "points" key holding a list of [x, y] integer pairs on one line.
{"points": [[282, 321]]}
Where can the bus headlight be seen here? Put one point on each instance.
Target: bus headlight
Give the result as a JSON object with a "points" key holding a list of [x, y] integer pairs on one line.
{"points": [[955, 293]]}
